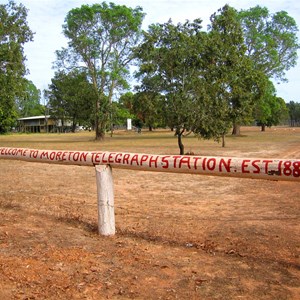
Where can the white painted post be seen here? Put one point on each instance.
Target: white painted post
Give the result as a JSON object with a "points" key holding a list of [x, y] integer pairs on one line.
{"points": [[105, 192]]}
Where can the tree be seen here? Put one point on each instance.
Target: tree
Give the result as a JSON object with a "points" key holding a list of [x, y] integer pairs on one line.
{"points": [[270, 110], [14, 33], [29, 103], [294, 113], [101, 38], [68, 97], [232, 81], [271, 40], [120, 114], [148, 107], [272, 45], [169, 65]]}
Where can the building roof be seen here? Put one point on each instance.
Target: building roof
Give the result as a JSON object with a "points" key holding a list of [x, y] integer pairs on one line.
{"points": [[34, 118]]}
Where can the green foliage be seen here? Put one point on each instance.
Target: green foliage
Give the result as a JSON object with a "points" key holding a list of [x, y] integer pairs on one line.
{"points": [[294, 113], [271, 40], [101, 38], [14, 33], [206, 79], [120, 114], [29, 103], [270, 110], [69, 97], [169, 66], [232, 83], [148, 107]]}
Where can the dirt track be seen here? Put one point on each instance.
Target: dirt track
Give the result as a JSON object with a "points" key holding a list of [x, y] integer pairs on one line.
{"points": [[178, 236]]}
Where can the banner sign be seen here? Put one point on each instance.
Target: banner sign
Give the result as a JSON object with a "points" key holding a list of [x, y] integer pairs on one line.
{"points": [[270, 169]]}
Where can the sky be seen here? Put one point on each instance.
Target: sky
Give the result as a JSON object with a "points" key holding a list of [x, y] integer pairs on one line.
{"points": [[46, 17]]}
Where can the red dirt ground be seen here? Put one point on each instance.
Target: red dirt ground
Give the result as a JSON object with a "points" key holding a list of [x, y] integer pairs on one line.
{"points": [[178, 236]]}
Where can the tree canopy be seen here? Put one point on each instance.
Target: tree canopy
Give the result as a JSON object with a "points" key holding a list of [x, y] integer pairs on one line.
{"points": [[101, 38], [68, 97], [207, 79], [271, 40], [28, 104], [14, 33]]}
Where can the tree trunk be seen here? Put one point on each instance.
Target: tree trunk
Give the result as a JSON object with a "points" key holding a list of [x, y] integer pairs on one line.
{"points": [[99, 131], [180, 144], [236, 129], [263, 127], [223, 140], [73, 126], [111, 130], [100, 128], [150, 128]]}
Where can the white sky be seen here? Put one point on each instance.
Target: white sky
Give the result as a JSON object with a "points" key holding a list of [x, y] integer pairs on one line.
{"points": [[45, 18]]}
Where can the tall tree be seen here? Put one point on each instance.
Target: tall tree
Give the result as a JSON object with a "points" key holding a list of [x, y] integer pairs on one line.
{"points": [[272, 45], [68, 98], [270, 110], [169, 65], [29, 103], [101, 38], [294, 113], [233, 83], [148, 107], [271, 40], [14, 33]]}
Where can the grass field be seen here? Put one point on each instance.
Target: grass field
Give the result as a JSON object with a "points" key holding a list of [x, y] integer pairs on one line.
{"points": [[178, 236]]}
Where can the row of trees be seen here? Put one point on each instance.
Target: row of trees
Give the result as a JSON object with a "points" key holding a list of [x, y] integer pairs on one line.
{"points": [[18, 96], [190, 79], [203, 82]]}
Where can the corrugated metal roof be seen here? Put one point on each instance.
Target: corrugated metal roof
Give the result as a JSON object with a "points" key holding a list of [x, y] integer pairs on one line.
{"points": [[34, 118]]}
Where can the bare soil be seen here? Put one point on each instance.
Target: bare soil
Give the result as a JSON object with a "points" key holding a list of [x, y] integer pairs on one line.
{"points": [[178, 236]]}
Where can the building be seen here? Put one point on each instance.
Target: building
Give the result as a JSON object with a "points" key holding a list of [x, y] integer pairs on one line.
{"points": [[36, 124]]}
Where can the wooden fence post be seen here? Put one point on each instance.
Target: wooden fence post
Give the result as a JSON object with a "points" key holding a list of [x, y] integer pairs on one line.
{"points": [[105, 192]]}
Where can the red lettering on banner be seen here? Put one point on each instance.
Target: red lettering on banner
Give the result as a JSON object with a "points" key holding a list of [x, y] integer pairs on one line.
{"points": [[144, 158], [267, 165], [245, 165], [185, 160], [76, 156], [126, 158], [225, 164], [63, 157], [24, 152], [134, 159], [296, 170], [165, 162], [69, 155], [97, 157], [211, 164], [153, 159], [254, 164], [175, 159], [83, 156], [58, 154], [279, 167], [110, 157], [44, 154], [34, 153], [52, 155], [203, 163], [196, 161], [103, 160], [118, 158]]}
